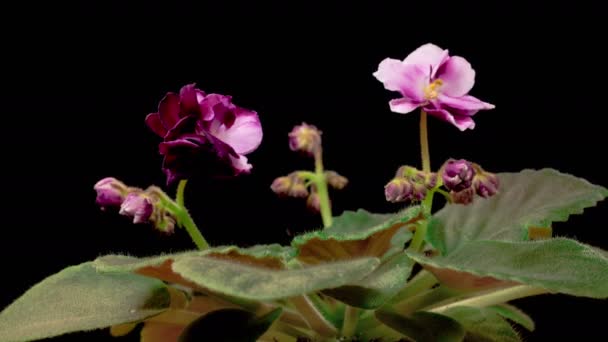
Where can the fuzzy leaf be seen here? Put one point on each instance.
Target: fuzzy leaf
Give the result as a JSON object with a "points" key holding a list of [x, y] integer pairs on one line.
{"points": [[514, 314], [229, 325], [526, 199], [357, 234], [559, 265], [378, 287], [423, 326], [270, 256], [483, 325], [258, 283], [80, 298]]}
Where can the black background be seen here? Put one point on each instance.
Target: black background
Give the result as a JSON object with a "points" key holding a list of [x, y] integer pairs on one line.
{"points": [[79, 80]]}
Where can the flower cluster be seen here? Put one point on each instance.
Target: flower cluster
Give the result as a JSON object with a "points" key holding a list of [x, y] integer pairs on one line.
{"points": [[204, 133], [306, 138], [143, 206], [409, 184]]}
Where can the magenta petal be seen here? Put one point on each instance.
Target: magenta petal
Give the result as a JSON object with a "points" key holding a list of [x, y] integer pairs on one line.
{"points": [[240, 165], [462, 122], [457, 75], [153, 122], [168, 110], [166, 146], [465, 103], [245, 135], [188, 99], [403, 105], [428, 54]]}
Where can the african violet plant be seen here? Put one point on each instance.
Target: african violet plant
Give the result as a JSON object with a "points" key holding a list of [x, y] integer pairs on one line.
{"points": [[357, 277]]}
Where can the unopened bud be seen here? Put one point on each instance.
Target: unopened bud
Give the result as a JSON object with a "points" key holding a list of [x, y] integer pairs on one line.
{"points": [[138, 206], [398, 190], [165, 223], [457, 174], [313, 202], [110, 192], [486, 184], [298, 189], [281, 185], [463, 197], [305, 138], [418, 191], [406, 171], [335, 180]]}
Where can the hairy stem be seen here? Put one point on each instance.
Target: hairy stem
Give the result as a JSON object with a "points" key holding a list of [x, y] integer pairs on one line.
{"points": [[422, 281], [424, 143], [496, 297], [184, 218], [313, 317], [423, 300], [321, 184], [351, 317]]}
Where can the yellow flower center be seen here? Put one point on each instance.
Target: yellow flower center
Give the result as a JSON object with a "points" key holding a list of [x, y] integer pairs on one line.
{"points": [[432, 90]]}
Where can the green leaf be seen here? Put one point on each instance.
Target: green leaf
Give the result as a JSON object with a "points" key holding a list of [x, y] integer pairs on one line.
{"points": [[258, 283], [559, 265], [483, 325], [514, 314], [230, 325], [160, 267], [357, 234], [526, 199], [378, 287], [423, 326], [123, 263], [80, 298]]}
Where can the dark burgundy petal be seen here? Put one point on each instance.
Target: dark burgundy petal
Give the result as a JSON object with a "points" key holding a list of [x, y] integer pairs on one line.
{"points": [[185, 125], [185, 158], [168, 110], [188, 100], [153, 122]]}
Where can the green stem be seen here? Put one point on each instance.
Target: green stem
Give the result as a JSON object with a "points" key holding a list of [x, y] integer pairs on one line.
{"points": [[420, 233], [184, 218], [351, 317], [496, 297], [423, 300], [288, 330], [321, 184], [179, 196], [424, 143], [423, 281], [313, 317]]}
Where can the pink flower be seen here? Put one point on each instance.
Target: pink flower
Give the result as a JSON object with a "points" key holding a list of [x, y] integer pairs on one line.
{"points": [[204, 133], [438, 83]]}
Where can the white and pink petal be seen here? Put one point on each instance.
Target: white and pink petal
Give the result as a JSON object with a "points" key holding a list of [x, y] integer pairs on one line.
{"points": [[457, 75]]}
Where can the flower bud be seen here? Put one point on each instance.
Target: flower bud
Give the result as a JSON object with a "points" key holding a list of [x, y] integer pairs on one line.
{"points": [[137, 205], [281, 185], [110, 192], [398, 190], [406, 171], [298, 189], [418, 191], [336, 180], [305, 138], [457, 174], [313, 202], [463, 197], [486, 184], [165, 223]]}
